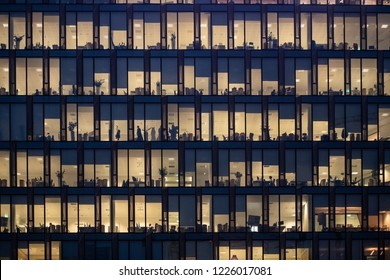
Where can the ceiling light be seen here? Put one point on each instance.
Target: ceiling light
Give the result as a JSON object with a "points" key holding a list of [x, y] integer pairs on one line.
{"points": [[385, 114], [38, 70], [5, 69], [355, 173], [384, 25], [39, 24], [302, 25], [365, 70], [5, 24], [203, 25], [137, 25], [72, 26], [297, 80]]}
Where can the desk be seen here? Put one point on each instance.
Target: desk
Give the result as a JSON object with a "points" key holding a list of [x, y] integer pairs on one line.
{"points": [[90, 184], [87, 229], [276, 228], [257, 183]]}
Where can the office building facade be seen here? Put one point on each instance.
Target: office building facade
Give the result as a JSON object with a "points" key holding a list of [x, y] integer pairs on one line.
{"points": [[194, 129]]}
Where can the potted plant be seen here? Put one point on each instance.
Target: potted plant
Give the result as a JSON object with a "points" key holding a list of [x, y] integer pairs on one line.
{"points": [[163, 173], [17, 40], [60, 176], [98, 85], [238, 178], [71, 127]]}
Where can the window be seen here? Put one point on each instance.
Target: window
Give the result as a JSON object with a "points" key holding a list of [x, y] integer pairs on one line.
{"points": [[5, 211], [19, 214], [383, 31], [203, 168], [252, 31], [147, 122], [29, 78], [237, 168], [80, 122], [205, 30], [135, 75], [270, 77], [4, 25], [17, 31], [197, 76], [18, 122], [321, 212], [97, 164], [96, 76], [118, 34], [113, 122], [337, 167], [4, 77], [4, 169], [254, 213], [68, 76], [219, 31], [84, 31], [165, 168], [220, 122], [221, 213]]}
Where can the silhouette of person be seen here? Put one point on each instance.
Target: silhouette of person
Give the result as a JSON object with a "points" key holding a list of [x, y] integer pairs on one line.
{"points": [[118, 134], [153, 134], [173, 132], [160, 131], [139, 134]]}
